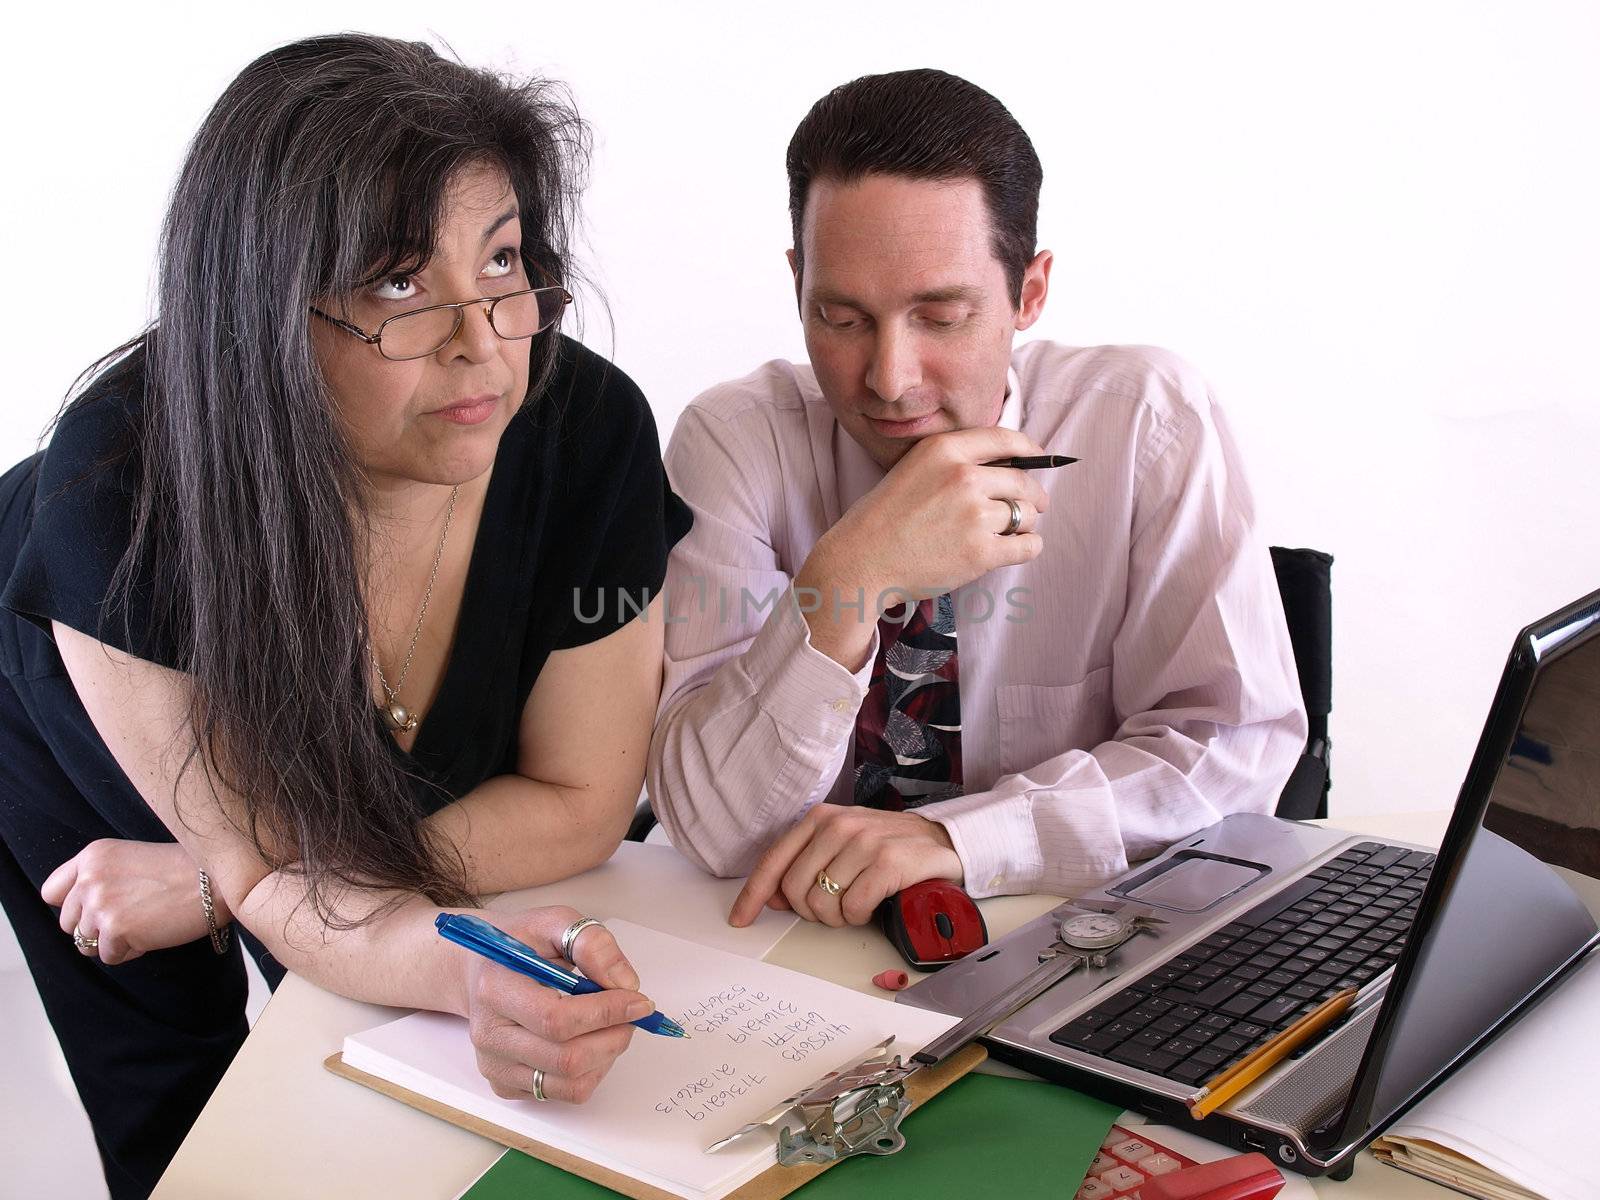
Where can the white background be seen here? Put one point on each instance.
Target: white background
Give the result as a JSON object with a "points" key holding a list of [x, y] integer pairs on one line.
{"points": [[1372, 226]]}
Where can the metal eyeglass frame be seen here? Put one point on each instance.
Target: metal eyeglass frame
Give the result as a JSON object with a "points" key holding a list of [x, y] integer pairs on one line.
{"points": [[375, 337]]}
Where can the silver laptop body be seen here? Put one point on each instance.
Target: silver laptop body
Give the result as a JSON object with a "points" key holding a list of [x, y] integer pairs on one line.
{"points": [[1472, 940]]}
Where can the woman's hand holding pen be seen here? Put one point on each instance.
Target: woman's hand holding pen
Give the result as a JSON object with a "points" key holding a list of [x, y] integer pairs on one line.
{"points": [[518, 1026]]}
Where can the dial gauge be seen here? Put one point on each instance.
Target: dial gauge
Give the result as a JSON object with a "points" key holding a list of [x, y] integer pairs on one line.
{"points": [[1093, 931]]}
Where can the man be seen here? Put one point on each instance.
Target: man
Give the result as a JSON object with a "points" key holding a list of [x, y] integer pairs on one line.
{"points": [[1073, 666]]}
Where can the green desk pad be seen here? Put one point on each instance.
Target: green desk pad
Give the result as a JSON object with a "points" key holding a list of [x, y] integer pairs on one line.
{"points": [[985, 1135]]}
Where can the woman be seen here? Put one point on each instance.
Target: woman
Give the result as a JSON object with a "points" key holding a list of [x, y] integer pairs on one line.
{"points": [[306, 580]]}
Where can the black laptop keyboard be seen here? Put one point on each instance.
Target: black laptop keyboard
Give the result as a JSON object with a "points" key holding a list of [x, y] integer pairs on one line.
{"points": [[1340, 926]]}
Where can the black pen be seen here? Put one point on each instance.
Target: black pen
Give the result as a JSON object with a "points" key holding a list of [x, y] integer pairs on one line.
{"points": [[1037, 462]]}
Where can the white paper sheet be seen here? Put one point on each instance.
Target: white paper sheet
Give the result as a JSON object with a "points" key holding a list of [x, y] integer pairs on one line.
{"points": [[1524, 1107], [658, 888], [759, 1034]]}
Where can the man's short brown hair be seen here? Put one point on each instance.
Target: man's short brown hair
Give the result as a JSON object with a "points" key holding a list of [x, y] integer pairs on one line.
{"points": [[924, 124]]}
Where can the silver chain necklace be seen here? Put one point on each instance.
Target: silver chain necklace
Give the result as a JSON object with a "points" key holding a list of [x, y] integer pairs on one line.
{"points": [[397, 716]]}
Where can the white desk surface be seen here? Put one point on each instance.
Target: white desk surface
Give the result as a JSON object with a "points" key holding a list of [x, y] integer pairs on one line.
{"points": [[280, 1125]]}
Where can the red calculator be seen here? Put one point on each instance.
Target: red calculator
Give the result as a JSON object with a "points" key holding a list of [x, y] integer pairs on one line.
{"points": [[1132, 1166], [1125, 1161]]}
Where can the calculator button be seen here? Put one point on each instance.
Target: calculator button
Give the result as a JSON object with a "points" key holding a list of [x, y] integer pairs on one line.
{"points": [[1132, 1150], [1121, 1178], [1093, 1189], [1117, 1134], [1102, 1163], [1159, 1164]]}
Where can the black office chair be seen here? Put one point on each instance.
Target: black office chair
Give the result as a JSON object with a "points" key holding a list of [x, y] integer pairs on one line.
{"points": [[1304, 584], [644, 820]]}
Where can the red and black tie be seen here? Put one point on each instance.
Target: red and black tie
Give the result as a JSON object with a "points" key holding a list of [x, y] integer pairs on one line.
{"points": [[908, 732]]}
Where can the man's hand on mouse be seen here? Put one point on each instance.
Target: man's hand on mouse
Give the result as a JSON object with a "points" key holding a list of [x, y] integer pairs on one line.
{"points": [[870, 853]]}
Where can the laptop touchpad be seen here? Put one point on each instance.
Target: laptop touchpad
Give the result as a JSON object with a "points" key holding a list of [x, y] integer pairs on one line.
{"points": [[1191, 881]]}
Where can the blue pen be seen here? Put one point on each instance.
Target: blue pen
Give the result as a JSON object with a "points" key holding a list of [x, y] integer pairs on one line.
{"points": [[498, 946]]}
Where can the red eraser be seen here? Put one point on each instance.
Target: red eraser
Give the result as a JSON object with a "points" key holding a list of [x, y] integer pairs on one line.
{"points": [[1242, 1177], [891, 981]]}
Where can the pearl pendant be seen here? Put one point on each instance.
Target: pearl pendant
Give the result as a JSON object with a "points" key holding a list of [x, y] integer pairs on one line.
{"points": [[397, 717]]}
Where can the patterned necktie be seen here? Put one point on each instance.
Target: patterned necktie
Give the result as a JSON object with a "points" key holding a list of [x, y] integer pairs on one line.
{"points": [[908, 732]]}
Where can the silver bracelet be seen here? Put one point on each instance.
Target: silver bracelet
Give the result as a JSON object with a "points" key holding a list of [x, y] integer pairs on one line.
{"points": [[219, 937]]}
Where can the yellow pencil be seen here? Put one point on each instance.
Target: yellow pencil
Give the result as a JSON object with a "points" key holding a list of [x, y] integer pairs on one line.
{"points": [[1258, 1062]]}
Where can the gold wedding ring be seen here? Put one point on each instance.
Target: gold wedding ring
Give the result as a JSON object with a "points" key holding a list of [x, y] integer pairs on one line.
{"points": [[538, 1085], [827, 884], [85, 943]]}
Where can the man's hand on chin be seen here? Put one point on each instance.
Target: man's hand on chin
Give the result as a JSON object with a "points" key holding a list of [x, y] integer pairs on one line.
{"points": [[869, 853]]}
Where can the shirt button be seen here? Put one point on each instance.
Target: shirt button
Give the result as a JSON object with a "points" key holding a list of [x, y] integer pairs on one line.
{"points": [[996, 882], [841, 706]]}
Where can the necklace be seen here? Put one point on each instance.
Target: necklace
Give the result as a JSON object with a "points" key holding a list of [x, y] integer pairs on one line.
{"points": [[397, 716]]}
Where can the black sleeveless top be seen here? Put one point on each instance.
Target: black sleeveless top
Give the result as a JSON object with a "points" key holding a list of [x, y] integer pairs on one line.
{"points": [[578, 513]]}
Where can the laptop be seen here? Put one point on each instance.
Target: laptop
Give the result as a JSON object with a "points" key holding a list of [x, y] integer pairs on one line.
{"points": [[1264, 919]]}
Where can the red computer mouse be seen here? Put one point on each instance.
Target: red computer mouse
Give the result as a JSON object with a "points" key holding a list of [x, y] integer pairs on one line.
{"points": [[932, 924]]}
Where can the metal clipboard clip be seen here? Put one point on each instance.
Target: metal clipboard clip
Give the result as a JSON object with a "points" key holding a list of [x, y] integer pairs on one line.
{"points": [[857, 1109], [854, 1110]]}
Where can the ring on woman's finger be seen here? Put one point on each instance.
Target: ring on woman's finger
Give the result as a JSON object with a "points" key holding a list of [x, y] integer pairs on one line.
{"points": [[85, 943], [570, 937], [827, 884], [538, 1085]]}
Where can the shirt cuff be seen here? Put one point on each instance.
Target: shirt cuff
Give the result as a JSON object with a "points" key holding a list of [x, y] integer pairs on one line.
{"points": [[995, 838], [799, 686]]}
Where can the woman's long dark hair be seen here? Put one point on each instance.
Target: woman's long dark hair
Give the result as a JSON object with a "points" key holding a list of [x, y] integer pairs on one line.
{"points": [[323, 167]]}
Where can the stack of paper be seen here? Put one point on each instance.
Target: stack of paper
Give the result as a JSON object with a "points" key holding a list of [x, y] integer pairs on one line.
{"points": [[1517, 1122], [759, 1034]]}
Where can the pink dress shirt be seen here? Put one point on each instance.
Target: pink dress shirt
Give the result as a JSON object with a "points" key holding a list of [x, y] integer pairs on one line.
{"points": [[1139, 686]]}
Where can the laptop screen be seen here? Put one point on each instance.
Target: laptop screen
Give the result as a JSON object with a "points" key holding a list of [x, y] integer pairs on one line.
{"points": [[1515, 892]]}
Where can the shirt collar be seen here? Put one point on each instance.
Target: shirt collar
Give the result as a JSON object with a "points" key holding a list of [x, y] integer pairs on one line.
{"points": [[1011, 410]]}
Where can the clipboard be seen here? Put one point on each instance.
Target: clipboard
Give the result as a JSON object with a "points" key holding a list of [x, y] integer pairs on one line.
{"points": [[772, 1183]]}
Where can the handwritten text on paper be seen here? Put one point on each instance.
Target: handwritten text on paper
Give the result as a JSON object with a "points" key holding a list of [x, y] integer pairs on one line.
{"points": [[764, 1029]]}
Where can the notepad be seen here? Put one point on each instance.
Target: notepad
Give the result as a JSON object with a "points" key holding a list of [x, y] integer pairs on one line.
{"points": [[759, 1033]]}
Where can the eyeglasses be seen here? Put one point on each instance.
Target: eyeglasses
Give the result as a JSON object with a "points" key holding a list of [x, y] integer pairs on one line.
{"points": [[425, 331]]}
